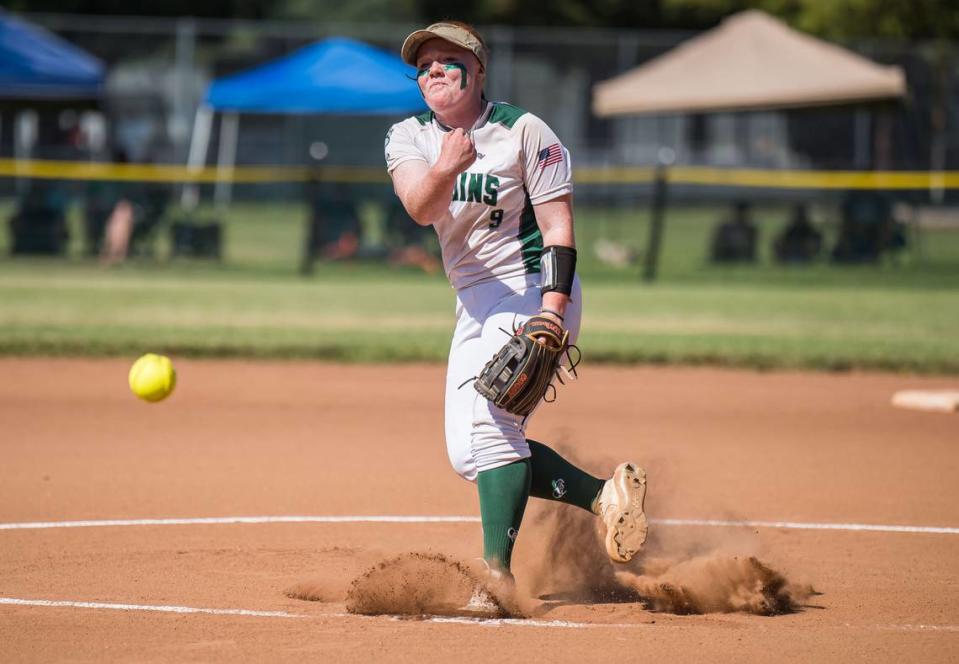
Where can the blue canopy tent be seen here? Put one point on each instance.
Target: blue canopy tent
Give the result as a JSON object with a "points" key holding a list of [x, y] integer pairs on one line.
{"points": [[36, 64], [337, 75], [334, 76], [38, 70]]}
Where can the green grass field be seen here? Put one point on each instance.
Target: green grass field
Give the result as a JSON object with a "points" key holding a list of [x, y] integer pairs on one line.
{"points": [[901, 315]]}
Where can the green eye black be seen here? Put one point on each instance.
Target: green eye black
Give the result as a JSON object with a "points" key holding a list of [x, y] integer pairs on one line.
{"points": [[425, 69]]}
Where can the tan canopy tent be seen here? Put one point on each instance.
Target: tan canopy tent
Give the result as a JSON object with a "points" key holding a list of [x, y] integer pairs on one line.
{"points": [[751, 61]]}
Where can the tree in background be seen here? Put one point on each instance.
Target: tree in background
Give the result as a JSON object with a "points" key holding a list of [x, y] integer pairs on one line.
{"points": [[578, 13], [833, 19], [208, 8], [355, 11]]}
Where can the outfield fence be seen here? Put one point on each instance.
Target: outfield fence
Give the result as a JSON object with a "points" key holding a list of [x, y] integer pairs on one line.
{"points": [[632, 222], [158, 71], [608, 175], [883, 176]]}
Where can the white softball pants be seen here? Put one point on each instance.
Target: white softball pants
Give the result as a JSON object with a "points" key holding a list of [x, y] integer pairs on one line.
{"points": [[480, 436]]}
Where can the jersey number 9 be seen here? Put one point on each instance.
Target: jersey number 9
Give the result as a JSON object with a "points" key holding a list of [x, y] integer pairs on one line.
{"points": [[495, 218]]}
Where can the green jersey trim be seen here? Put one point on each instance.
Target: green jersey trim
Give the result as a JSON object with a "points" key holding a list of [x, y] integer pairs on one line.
{"points": [[530, 238], [424, 118], [506, 114]]}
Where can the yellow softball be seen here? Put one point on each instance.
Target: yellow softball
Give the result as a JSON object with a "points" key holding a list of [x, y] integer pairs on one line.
{"points": [[152, 377]]}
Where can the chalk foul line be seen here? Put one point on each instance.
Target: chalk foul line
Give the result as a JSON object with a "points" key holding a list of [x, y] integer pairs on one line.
{"points": [[717, 523], [493, 622], [799, 525], [147, 607], [39, 525], [528, 622], [479, 622]]}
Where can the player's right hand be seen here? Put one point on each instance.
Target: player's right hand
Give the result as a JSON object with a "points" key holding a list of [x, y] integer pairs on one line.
{"points": [[456, 153]]}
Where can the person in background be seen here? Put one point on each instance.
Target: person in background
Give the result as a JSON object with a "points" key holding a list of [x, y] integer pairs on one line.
{"points": [[410, 241], [734, 240], [118, 227], [799, 241]]}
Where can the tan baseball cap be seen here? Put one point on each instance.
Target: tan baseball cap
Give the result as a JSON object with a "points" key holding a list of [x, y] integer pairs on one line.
{"points": [[452, 33]]}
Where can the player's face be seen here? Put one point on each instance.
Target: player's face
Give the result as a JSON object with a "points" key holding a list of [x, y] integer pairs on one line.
{"points": [[448, 75]]}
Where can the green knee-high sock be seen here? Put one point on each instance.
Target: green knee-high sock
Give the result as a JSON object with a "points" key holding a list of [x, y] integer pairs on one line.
{"points": [[503, 493], [555, 478]]}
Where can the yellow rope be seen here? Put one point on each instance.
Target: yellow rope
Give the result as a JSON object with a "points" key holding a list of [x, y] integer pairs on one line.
{"points": [[689, 175]]}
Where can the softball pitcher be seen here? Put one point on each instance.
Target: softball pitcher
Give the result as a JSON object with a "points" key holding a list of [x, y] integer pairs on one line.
{"points": [[495, 183]]}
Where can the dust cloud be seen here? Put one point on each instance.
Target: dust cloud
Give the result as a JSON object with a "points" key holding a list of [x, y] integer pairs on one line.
{"points": [[715, 584], [571, 563], [317, 590], [672, 578], [420, 584], [689, 572], [680, 571]]}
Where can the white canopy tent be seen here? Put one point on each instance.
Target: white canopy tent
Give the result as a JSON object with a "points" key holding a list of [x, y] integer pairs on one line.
{"points": [[751, 61]]}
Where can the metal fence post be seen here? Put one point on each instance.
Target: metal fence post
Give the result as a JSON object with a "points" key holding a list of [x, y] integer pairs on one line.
{"points": [[657, 217]]}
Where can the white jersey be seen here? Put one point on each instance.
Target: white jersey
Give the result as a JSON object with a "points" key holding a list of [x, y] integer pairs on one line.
{"points": [[490, 231]]}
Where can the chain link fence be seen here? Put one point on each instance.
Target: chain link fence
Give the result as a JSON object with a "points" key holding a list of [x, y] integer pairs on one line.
{"points": [[158, 71]]}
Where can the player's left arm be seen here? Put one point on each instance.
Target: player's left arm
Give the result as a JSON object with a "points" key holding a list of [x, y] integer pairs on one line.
{"points": [[547, 174], [555, 220]]}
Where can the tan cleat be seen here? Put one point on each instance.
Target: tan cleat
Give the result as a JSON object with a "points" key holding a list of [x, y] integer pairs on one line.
{"points": [[620, 506]]}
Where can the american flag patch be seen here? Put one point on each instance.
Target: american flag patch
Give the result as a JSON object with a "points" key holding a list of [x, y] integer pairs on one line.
{"points": [[551, 155]]}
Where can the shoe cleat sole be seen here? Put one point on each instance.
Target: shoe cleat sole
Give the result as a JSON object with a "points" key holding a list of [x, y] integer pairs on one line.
{"points": [[627, 535]]}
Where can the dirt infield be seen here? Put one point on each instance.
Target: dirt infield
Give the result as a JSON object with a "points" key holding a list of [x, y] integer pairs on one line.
{"points": [[320, 440]]}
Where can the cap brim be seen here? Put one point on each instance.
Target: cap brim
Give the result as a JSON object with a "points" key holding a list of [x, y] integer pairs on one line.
{"points": [[413, 43]]}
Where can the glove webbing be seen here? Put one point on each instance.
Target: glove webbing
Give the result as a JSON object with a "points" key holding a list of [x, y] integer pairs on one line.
{"points": [[521, 372]]}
